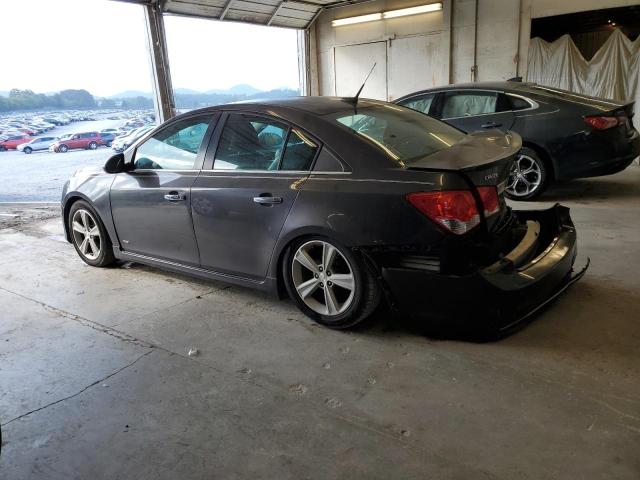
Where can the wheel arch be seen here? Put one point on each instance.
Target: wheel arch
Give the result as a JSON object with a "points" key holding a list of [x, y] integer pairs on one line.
{"points": [[544, 156]]}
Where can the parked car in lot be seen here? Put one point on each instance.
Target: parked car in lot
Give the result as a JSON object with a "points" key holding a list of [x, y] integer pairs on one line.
{"points": [[107, 138], [565, 135], [37, 144], [340, 206], [12, 142], [123, 142], [86, 140]]}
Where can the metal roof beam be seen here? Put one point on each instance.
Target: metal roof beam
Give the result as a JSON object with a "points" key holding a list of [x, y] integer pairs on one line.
{"points": [[275, 13], [225, 10]]}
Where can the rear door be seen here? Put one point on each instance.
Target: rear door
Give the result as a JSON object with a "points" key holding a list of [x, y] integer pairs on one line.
{"points": [[240, 201], [473, 110], [151, 204]]}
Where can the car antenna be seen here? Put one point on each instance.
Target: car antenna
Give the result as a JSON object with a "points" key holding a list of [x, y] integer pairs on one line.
{"points": [[354, 100]]}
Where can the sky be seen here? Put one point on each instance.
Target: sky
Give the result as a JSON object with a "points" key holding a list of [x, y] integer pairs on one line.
{"points": [[100, 45]]}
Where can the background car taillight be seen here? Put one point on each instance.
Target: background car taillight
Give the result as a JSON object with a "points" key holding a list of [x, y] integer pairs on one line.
{"points": [[455, 210], [602, 123]]}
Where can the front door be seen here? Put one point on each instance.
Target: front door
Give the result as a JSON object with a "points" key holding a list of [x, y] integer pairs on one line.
{"points": [[151, 204], [473, 110], [240, 205]]}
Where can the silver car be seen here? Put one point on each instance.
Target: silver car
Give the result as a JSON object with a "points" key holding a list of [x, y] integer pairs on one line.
{"points": [[40, 143]]}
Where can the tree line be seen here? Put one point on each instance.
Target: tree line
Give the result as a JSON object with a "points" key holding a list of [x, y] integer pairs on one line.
{"points": [[82, 99]]}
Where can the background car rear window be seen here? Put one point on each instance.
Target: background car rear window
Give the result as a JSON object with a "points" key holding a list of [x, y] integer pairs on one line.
{"points": [[250, 142], [173, 148], [402, 134]]}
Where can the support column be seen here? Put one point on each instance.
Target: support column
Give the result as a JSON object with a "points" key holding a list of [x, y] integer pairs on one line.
{"points": [[157, 44]]}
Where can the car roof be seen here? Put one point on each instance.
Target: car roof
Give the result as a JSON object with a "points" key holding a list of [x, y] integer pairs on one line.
{"points": [[314, 105], [505, 86]]}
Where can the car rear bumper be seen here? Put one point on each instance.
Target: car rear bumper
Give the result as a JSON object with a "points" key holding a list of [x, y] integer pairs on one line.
{"points": [[498, 297]]}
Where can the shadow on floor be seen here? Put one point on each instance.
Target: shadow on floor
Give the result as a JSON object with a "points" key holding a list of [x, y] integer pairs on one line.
{"points": [[585, 189]]}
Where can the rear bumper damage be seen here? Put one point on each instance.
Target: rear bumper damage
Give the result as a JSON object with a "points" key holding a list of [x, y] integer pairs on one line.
{"points": [[496, 297]]}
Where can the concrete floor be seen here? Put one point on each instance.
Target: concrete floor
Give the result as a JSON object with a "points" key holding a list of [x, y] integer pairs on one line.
{"points": [[96, 382]]}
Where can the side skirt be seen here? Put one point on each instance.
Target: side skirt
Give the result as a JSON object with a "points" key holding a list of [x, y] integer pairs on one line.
{"points": [[267, 285]]}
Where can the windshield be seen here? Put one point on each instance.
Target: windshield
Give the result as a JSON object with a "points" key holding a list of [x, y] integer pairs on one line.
{"points": [[403, 134]]}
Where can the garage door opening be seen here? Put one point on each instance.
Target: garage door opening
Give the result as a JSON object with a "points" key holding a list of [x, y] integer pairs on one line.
{"points": [[216, 62]]}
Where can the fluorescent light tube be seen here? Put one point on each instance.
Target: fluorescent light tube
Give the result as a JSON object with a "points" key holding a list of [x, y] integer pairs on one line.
{"points": [[351, 20], [432, 7]]}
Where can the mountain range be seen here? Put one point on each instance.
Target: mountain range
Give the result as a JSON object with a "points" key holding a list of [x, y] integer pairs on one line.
{"points": [[241, 89]]}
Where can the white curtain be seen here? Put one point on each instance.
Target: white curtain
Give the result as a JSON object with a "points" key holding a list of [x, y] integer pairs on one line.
{"points": [[611, 73]]}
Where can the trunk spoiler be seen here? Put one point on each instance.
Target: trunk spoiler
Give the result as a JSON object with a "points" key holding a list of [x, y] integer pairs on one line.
{"points": [[477, 150]]}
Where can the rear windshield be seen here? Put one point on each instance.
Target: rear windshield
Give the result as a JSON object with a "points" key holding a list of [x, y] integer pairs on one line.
{"points": [[401, 133]]}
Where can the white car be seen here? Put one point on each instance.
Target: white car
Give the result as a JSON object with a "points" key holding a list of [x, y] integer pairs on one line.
{"points": [[40, 143]]}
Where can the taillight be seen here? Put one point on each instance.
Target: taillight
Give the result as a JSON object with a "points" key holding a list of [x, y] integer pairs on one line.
{"points": [[455, 210], [489, 197], [602, 123]]}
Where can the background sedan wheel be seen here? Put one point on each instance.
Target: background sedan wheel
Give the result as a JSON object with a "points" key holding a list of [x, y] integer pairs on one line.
{"points": [[527, 176], [329, 283], [93, 145], [89, 236], [63, 148], [27, 150]]}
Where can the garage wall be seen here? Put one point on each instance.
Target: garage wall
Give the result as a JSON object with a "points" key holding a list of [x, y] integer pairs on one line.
{"points": [[431, 49]]}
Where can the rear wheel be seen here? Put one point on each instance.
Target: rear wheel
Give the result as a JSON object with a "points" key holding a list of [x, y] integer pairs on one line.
{"points": [[89, 236], [329, 283], [27, 150], [527, 176], [93, 146]]}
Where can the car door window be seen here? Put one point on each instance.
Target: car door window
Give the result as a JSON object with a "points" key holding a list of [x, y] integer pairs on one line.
{"points": [[250, 142], [468, 104], [421, 103], [173, 148], [299, 152]]}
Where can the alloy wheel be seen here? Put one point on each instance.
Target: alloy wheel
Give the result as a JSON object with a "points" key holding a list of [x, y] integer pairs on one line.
{"points": [[86, 234], [323, 278], [525, 176]]}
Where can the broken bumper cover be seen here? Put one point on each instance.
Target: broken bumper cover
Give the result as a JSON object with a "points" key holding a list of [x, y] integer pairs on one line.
{"points": [[501, 295]]}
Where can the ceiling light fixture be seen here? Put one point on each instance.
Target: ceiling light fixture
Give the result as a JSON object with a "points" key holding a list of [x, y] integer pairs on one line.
{"points": [[361, 19], [403, 12], [431, 7]]}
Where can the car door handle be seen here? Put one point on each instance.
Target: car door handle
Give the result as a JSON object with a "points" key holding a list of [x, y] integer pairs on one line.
{"points": [[175, 197], [267, 200], [491, 125]]}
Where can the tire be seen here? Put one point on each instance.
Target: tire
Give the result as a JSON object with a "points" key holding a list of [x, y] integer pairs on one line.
{"points": [[27, 150], [3, 148], [84, 215], [93, 146], [63, 148], [350, 306], [528, 176]]}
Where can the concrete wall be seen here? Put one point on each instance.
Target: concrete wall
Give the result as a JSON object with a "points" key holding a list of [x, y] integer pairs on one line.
{"points": [[502, 33]]}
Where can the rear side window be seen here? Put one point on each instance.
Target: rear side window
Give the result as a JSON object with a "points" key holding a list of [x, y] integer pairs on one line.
{"points": [[173, 148], [299, 153], [421, 103], [250, 142]]}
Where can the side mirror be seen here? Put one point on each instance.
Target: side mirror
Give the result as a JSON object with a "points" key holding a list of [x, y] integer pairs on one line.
{"points": [[115, 164]]}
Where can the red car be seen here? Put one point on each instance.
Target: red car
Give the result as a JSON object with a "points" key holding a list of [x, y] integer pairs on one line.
{"points": [[86, 140], [13, 141]]}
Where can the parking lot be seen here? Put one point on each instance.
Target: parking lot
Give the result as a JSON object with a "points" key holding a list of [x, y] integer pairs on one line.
{"points": [[39, 177]]}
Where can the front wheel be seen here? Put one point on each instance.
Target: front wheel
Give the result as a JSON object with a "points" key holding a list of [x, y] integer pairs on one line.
{"points": [[527, 176], [63, 148], [329, 283], [27, 150], [89, 236]]}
